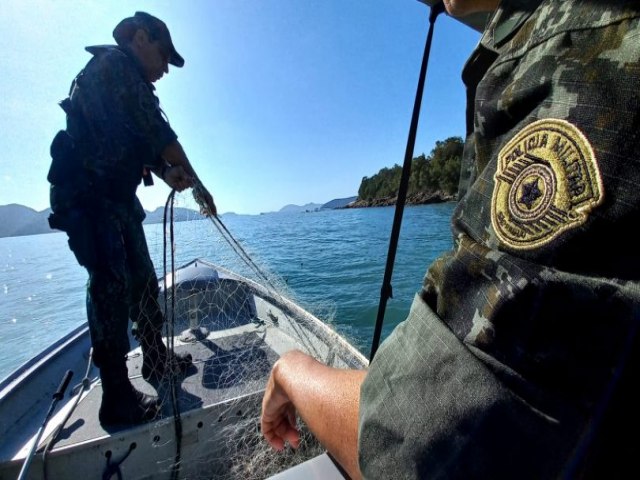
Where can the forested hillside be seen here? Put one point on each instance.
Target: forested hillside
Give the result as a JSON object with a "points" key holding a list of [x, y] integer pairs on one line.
{"points": [[437, 173]]}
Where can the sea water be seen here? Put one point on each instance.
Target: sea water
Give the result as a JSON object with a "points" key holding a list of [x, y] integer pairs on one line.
{"points": [[332, 262]]}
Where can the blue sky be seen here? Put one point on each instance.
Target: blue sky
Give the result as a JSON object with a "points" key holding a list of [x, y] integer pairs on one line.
{"points": [[279, 101]]}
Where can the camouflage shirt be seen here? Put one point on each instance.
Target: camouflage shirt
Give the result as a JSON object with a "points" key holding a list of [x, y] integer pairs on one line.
{"points": [[515, 358], [117, 118]]}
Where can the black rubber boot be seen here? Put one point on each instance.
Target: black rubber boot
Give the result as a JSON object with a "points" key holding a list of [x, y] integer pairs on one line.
{"points": [[157, 362], [123, 405]]}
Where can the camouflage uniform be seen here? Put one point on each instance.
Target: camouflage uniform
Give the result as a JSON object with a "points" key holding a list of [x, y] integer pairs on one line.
{"points": [[517, 356], [118, 130]]}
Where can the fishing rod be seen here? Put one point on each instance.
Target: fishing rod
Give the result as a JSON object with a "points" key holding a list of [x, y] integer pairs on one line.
{"points": [[386, 291], [57, 396]]}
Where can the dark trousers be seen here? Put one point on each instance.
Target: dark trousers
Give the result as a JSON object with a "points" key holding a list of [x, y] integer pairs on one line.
{"points": [[122, 285]]}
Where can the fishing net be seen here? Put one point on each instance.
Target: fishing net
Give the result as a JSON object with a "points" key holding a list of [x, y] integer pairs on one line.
{"points": [[208, 426], [234, 330]]}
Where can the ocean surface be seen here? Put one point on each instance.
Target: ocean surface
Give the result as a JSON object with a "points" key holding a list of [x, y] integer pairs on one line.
{"points": [[331, 262]]}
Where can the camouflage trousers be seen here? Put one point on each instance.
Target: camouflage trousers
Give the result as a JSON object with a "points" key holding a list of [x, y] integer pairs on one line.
{"points": [[122, 284]]}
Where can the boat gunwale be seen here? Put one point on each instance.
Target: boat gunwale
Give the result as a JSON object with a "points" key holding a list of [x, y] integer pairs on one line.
{"points": [[350, 355]]}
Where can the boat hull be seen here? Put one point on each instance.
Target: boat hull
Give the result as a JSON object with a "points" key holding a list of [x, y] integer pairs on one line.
{"points": [[235, 329]]}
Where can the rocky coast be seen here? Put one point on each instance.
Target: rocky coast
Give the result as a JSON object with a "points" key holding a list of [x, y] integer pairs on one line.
{"points": [[421, 198]]}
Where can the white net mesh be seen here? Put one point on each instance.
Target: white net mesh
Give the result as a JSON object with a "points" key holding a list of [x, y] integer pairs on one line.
{"points": [[234, 316], [235, 322]]}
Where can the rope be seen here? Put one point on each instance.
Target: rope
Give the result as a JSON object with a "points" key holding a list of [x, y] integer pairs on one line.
{"points": [[244, 256], [170, 323], [198, 188], [114, 468], [236, 247], [170, 326]]}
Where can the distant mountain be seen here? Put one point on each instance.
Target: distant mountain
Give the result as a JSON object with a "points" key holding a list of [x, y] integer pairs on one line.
{"points": [[339, 202], [309, 207], [314, 207], [18, 220]]}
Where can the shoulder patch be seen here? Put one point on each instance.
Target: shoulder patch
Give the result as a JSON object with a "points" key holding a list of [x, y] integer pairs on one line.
{"points": [[547, 181]]}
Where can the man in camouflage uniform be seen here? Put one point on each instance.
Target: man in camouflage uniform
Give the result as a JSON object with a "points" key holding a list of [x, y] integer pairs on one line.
{"points": [[518, 354], [116, 133]]}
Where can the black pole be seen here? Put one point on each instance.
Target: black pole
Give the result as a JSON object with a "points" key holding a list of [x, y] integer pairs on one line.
{"points": [[386, 291]]}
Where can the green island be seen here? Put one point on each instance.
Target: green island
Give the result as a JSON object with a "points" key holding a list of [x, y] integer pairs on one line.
{"points": [[434, 178]]}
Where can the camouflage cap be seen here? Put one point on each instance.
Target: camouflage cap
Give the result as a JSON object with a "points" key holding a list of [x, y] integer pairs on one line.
{"points": [[126, 29]]}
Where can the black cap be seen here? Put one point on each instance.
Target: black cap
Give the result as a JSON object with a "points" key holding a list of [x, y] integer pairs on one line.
{"points": [[157, 29]]}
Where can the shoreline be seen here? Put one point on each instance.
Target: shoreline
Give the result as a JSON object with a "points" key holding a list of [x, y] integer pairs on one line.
{"points": [[422, 198]]}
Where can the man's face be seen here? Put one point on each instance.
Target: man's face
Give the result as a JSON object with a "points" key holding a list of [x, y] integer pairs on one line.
{"points": [[461, 8], [153, 55]]}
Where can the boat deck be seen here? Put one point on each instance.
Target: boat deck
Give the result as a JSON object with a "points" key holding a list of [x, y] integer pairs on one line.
{"points": [[234, 330], [224, 368]]}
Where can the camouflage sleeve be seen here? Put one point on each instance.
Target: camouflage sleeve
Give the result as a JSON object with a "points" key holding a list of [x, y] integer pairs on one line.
{"points": [[430, 409], [134, 104], [527, 332]]}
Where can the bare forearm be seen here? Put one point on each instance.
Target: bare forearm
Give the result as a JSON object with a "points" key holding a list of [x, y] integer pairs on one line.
{"points": [[175, 155], [327, 399], [184, 176]]}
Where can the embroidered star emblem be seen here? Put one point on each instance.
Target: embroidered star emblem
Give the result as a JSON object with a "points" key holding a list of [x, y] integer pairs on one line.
{"points": [[530, 193]]}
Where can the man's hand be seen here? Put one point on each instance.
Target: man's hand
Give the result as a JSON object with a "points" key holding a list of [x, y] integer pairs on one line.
{"points": [[325, 398], [185, 177], [205, 200], [278, 421], [176, 177]]}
